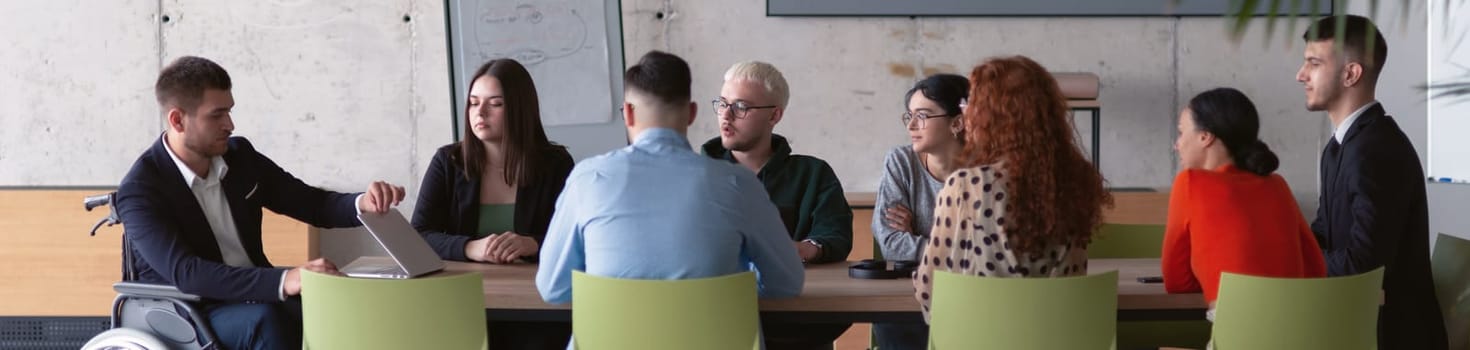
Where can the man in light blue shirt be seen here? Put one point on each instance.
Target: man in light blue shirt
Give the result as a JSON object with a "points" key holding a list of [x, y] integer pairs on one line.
{"points": [[657, 210]]}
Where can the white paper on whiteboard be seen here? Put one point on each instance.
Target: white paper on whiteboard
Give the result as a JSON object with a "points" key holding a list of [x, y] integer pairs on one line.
{"points": [[562, 43]]}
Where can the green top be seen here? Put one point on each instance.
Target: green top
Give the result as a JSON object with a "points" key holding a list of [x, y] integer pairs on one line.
{"points": [[496, 218], [808, 195]]}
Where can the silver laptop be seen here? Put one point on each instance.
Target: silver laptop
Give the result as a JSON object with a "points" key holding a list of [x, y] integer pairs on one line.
{"points": [[408, 255]]}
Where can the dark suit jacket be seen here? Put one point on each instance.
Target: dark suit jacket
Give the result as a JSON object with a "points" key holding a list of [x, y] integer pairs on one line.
{"points": [[172, 241], [1372, 213], [448, 206]]}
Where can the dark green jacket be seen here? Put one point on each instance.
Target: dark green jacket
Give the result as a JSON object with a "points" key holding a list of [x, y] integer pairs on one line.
{"points": [[808, 195]]}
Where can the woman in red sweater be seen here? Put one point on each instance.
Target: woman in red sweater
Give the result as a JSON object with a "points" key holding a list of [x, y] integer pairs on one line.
{"points": [[1227, 211]]}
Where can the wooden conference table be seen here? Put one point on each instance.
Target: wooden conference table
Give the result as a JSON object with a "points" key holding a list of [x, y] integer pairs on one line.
{"points": [[830, 296]]}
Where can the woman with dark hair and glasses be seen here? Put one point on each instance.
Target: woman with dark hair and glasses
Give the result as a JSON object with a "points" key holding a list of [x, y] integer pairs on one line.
{"points": [[1227, 211], [489, 197], [912, 174]]}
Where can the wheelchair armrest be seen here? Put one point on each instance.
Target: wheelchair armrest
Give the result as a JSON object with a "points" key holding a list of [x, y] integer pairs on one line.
{"points": [[153, 290]]}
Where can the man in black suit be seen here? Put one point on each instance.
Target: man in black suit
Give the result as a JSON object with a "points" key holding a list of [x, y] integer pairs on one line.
{"points": [[191, 209], [1372, 211]]}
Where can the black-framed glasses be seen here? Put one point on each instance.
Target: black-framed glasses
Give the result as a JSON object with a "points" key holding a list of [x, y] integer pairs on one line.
{"points": [[740, 108], [909, 117]]}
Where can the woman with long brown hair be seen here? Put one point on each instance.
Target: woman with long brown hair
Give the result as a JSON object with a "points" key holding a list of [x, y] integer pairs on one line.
{"points": [[1025, 201], [489, 197]]}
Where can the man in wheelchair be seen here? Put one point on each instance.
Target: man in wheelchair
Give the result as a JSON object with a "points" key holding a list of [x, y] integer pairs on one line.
{"points": [[191, 205]]}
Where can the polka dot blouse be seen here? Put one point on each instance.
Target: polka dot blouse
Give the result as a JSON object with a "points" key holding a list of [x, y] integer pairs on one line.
{"points": [[969, 236]]}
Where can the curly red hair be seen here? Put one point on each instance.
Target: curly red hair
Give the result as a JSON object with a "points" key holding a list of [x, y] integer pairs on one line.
{"points": [[1017, 115]]}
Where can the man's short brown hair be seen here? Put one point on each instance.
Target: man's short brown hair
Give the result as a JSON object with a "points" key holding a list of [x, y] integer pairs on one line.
{"points": [[1356, 33], [182, 83]]}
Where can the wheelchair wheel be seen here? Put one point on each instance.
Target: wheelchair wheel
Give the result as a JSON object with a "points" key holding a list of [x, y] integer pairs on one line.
{"points": [[124, 339]]}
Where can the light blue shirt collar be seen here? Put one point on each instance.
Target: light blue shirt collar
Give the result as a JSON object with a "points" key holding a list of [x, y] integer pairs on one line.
{"points": [[660, 138]]}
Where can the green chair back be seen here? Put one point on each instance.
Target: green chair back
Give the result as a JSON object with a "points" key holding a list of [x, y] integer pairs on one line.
{"points": [[441, 312], [1451, 266], [1136, 241], [704, 313], [1265, 313], [971, 312], [1120, 241]]}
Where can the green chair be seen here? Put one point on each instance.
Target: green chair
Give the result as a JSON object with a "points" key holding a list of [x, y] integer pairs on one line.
{"points": [[1265, 313], [441, 312], [704, 313], [971, 312], [1451, 266], [1120, 241]]}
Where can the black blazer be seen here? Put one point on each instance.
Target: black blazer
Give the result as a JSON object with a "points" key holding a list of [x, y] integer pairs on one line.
{"points": [[448, 205], [173, 243], [1372, 213]]}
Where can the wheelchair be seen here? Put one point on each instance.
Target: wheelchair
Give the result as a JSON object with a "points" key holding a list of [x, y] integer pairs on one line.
{"points": [[145, 315]]}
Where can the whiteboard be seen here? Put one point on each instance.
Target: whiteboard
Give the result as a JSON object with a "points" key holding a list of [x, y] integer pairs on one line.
{"points": [[573, 49], [1449, 117]]}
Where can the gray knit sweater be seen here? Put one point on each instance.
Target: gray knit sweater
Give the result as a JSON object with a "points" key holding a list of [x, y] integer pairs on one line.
{"points": [[905, 182]]}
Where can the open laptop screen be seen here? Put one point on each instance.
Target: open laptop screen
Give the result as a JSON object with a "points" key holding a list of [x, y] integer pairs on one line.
{"points": [[402, 242]]}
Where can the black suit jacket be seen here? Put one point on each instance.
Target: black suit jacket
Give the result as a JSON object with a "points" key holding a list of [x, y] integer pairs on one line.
{"points": [[1372, 213], [448, 207], [171, 238]]}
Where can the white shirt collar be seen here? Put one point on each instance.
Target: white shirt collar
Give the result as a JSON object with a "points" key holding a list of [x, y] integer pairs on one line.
{"points": [[1342, 129], [217, 166]]}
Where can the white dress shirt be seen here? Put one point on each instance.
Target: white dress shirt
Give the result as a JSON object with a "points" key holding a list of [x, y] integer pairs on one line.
{"points": [[1341, 132], [211, 196]]}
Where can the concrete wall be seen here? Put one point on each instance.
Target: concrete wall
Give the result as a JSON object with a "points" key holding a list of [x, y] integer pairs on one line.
{"points": [[849, 74], [339, 94], [344, 94], [76, 90]]}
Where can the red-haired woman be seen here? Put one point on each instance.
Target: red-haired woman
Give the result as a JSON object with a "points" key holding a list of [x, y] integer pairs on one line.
{"points": [[1028, 201]]}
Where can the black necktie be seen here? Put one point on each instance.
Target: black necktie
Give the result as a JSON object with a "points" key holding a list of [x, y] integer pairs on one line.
{"points": [[1329, 164], [1332, 148]]}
